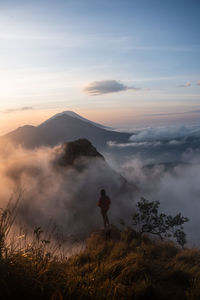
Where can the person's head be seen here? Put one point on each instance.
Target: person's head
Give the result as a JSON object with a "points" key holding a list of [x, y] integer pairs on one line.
{"points": [[103, 192]]}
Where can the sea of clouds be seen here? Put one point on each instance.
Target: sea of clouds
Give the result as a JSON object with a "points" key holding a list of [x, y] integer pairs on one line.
{"points": [[164, 163], [67, 196]]}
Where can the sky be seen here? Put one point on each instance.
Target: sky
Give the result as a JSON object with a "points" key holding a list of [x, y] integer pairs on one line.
{"points": [[123, 63]]}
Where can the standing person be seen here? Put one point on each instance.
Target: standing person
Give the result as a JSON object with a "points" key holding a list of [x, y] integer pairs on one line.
{"points": [[104, 204]]}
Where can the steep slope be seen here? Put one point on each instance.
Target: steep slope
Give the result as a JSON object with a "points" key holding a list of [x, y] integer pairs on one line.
{"points": [[26, 136], [60, 129]]}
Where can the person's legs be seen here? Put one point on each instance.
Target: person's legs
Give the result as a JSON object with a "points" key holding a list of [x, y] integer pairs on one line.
{"points": [[105, 218]]}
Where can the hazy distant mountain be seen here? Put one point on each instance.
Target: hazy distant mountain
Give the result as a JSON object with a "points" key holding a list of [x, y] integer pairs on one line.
{"points": [[63, 128], [75, 115]]}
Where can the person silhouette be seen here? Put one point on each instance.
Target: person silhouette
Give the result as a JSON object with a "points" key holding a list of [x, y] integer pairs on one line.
{"points": [[104, 204]]}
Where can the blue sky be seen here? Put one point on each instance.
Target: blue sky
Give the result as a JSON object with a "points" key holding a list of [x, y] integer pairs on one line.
{"points": [[54, 53]]}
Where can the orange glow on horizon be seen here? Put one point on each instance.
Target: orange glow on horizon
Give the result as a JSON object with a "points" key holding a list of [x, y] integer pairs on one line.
{"points": [[113, 117]]}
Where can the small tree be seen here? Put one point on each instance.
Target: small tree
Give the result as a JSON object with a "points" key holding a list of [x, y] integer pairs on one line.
{"points": [[148, 220]]}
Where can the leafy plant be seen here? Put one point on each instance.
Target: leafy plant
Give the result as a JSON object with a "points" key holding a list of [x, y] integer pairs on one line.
{"points": [[149, 220]]}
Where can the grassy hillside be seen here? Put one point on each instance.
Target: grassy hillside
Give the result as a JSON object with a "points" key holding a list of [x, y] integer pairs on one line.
{"points": [[122, 265]]}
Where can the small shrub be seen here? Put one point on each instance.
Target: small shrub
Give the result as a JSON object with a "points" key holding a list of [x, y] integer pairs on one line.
{"points": [[148, 220]]}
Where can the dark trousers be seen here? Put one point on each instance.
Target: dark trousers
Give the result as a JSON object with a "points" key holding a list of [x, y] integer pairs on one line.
{"points": [[105, 218]]}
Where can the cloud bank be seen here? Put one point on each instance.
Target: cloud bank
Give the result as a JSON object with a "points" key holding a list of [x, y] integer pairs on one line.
{"points": [[165, 133], [159, 144], [97, 88], [68, 195], [164, 163], [177, 189]]}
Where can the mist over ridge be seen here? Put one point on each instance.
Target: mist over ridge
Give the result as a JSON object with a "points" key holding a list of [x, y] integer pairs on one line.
{"points": [[157, 163], [62, 185]]}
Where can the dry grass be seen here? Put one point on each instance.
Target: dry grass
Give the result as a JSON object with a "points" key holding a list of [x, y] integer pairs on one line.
{"points": [[122, 265]]}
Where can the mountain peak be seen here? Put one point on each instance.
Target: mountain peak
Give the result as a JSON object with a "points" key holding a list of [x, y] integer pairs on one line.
{"points": [[74, 115], [64, 127], [68, 113]]}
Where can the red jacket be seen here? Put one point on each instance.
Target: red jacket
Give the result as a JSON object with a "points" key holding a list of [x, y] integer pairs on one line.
{"points": [[104, 203]]}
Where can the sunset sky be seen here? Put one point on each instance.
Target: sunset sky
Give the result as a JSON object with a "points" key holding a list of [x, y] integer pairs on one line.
{"points": [[118, 62]]}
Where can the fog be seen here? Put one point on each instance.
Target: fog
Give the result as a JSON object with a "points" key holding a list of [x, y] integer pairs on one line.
{"points": [[164, 163], [64, 195], [67, 195], [177, 189]]}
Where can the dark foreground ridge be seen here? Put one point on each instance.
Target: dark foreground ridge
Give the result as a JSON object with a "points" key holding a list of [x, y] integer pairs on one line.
{"points": [[121, 266]]}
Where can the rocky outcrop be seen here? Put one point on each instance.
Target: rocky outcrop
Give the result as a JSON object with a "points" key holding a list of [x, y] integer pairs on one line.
{"points": [[72, 152]]}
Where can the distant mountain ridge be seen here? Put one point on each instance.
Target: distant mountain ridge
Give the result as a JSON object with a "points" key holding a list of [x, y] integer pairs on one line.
{"points": [[77, 116], [63, 128]]}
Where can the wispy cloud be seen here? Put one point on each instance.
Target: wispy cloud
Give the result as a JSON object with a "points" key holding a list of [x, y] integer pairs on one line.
{"points": [[167, 49], [133, 144], [96, 88], [186, 85], [12, 110], [197, 111], [198, 82]]}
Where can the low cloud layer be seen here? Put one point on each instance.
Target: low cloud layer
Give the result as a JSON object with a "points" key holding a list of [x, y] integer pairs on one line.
{"points": [[67, 196], [144, 144], [164, 163], [159, 144], [165, 133], [177, 189], [96, 88]]}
